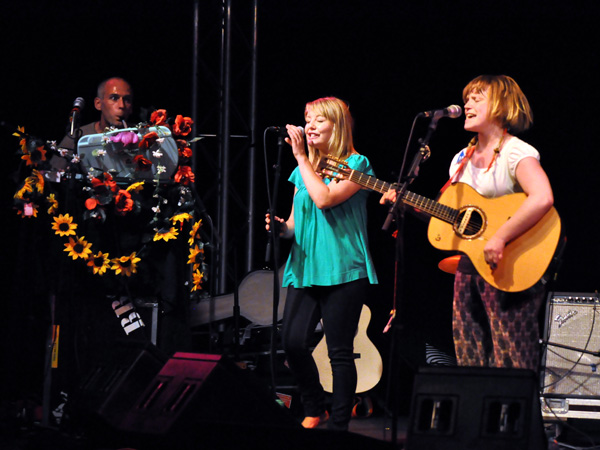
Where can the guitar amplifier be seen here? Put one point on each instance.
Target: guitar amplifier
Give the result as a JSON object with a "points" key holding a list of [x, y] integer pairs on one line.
{"points": [[571, 358]]}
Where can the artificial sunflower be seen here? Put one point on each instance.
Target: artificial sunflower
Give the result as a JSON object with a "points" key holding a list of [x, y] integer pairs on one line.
{"points": [[135, 187], [196, 256], [33, 158], [99, 263], [51, 199], [23, 142], [21, 194], [165, 235], [37, 179], [63, 225], [78, 248], [125, 265], [198, 276], [195, 232], [182, 217]]}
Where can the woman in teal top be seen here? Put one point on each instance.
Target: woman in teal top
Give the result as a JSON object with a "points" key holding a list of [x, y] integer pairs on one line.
{"points": [[329, 270]]}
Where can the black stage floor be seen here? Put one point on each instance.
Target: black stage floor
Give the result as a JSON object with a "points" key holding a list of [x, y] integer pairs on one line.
{"points": [[373, 433]]}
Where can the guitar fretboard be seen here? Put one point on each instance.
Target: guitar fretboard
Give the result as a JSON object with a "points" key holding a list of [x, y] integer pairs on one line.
{"points": [[428, 206]]}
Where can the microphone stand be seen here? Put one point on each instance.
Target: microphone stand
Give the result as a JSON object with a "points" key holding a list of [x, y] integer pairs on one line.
{"points": [[273, 244], [397, 212]]}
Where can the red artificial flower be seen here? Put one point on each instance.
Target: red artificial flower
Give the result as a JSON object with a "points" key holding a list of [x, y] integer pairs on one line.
{"points": [[159, 117], [182, 125], [104, 181], [91, 203], [123, 202], [184, 175], [142, 163], [185, 151], [148, 140]]}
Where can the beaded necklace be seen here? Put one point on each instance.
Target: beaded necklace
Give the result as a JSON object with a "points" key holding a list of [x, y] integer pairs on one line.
{"points": [[470, 150]]}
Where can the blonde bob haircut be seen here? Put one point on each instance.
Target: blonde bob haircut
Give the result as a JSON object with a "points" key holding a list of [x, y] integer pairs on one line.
{"points": [[508, 104], [340, 143]]}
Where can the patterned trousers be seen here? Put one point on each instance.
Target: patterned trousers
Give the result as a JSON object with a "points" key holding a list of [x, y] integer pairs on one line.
{"points": [[493, 328]]}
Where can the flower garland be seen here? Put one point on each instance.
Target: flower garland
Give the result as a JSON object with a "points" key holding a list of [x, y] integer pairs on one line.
{"points": [[173, 202]]}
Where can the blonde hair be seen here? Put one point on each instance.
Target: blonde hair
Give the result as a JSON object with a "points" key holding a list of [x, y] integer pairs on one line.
{"points": [[508, 104], [340, 142]]}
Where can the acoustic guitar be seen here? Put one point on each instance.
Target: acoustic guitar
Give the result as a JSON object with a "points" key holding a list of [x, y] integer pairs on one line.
{"points": [[369, 365], [463, 220]]}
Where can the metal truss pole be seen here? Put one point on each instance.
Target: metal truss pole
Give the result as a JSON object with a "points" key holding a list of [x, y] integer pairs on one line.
{"points": [[222, 166]]}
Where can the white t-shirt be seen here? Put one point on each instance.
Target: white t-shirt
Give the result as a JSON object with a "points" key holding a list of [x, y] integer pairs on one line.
{"points": [[501, 178]]}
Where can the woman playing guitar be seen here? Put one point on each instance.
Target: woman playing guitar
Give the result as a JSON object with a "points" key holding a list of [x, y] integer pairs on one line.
{"points": [[491, 327]]}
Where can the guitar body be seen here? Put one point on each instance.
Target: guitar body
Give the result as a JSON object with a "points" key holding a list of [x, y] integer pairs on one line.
{"points": [[369, 365], [463, 220], [525, 260]]}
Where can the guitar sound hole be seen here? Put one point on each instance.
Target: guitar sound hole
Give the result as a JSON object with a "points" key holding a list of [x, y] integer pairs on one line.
{"points": [[474, 223]]}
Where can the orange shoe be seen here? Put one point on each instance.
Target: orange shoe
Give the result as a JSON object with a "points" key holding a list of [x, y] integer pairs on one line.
{"points": [[312, 422]]}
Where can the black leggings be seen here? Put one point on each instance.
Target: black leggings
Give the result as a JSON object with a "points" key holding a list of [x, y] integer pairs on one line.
{"points": [[339, 307]]}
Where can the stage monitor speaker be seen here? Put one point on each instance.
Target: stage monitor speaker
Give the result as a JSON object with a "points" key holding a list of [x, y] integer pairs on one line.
{"points": [[462, 408], [571, 356], [201, 394], [126, 366]]}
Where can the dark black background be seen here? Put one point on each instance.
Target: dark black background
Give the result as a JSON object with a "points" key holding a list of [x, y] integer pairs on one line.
{"points": [[389, 59]]}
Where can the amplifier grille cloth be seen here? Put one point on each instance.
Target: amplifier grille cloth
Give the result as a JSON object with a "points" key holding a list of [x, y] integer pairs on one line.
{"points": [[572, 320]]}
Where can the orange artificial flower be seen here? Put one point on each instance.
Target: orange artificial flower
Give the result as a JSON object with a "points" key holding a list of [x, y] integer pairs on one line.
{"points": [[159, 117], [142, 163], [182, 125], [123, 202], [91, 203], [184, 175], [148, 140]]}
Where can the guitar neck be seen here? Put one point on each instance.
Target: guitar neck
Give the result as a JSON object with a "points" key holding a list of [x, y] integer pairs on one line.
{"points": [[424, 204]]}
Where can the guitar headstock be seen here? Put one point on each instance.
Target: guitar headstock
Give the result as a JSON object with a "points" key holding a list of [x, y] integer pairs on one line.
{"points": [[333, 168]]}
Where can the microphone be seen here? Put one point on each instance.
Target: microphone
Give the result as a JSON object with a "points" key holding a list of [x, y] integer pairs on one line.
{"points": [[282, 131], [78, 105], [452, 111]]}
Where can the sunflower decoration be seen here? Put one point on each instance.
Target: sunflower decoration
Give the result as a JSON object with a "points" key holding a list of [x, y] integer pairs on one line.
{"points": [[197, 279], [99, 263], [53, 202], [165, 234], [125, 265], [78, 247], [196, 257], [136, 187], [195, 232], [63, 225], [181, 218], [34, 154], [29, 194], [174, 203], [21, 134]]}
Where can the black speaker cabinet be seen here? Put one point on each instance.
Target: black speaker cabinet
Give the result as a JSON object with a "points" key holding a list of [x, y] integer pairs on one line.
{"points": [[120, 371], [201, 395], [462, 408], [571, 356]]}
